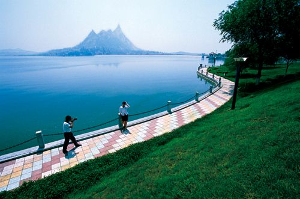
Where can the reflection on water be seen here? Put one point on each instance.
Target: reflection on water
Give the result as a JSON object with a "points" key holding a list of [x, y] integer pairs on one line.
{"points": [[38, 92]]}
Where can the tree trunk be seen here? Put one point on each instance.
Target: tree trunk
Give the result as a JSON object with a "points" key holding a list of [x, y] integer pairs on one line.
{"points": [[260, 66]]}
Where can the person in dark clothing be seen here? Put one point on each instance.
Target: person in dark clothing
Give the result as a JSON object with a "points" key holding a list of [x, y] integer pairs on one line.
{"points": [[123, 112], [67, 130]]}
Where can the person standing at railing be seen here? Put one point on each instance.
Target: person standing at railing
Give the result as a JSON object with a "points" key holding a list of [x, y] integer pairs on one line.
{"points": [[123, 112], [67, 129]]}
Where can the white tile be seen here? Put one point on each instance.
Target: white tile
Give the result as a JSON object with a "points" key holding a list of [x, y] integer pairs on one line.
{"points": [[47, 156], [12, 186], [55, 166], [45, 174], [46, 160], [14, 180], [88, 155], [9, 167], [100, 145], [29, 170], [18, 164], [6, 172], [55, 170], [64, 163], [25, 176], [111, 150], [37, 167], [29, 157], [20, 160], [40, 162]]}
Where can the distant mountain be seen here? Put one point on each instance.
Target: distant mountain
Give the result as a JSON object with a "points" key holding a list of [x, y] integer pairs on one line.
{"points": [[104, 43], [184, 53], [16, 52]]}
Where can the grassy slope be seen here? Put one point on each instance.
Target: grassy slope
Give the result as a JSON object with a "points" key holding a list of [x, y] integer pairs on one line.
{"points": [[250, 152]]}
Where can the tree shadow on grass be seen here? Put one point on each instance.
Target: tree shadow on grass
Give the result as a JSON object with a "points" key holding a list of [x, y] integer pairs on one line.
{"points": [[271, 67], [247, 76], [280, 80]]}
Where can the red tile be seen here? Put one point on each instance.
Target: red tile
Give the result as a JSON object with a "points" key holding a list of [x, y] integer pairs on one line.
{"points": [[103, 152], [8, 163], [180, 120], [200, 110], [148, 136], [61, 154], [70, 146], [220, 97], [36, 177], [116, 136], [45, 169], [1, 169], [55, 161], [213, 103], [97, 155], [37, 172], [55, 157], [152, 124], [46, 164]]}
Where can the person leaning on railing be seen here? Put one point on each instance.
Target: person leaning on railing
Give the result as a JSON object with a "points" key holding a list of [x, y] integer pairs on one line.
{"points": [[67, 129], [123, 112]]}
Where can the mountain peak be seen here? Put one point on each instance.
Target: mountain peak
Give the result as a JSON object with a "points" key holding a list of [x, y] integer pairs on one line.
{"points": [[118, 28], [105, 42], [92, 33]]}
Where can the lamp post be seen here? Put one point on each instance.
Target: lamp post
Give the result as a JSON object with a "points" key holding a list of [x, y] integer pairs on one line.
{"points": [[237, 78]]}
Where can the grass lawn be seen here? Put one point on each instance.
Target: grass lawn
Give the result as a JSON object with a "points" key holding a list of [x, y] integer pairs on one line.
{"points": [[270, 75], [251, 152]]}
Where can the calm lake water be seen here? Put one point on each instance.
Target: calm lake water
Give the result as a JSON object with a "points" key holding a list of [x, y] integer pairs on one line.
{"points": [[36, 93]]}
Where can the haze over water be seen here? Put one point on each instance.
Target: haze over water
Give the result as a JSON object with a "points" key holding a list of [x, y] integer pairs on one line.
{"points": [[38, 92]]}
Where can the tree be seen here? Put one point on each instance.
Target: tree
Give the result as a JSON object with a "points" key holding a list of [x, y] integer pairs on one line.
{"points": [[288, 40], [261, 29]]}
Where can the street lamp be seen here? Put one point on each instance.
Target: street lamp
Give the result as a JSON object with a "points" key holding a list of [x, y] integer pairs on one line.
{"points": [[237, 78]]}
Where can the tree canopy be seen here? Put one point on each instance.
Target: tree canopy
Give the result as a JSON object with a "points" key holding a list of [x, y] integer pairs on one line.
{"points": [[263, 30]]}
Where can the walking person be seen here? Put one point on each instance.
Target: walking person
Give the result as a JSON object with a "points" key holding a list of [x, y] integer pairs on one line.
{"points": [[123, 112], [67, 129]]}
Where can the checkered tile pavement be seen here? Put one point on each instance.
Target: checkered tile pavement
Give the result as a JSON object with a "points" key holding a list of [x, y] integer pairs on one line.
{"points": [[37, 166]]}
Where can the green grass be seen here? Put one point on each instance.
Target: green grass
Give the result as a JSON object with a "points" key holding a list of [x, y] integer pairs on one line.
{"points": [[271, 75], [251, 152]]}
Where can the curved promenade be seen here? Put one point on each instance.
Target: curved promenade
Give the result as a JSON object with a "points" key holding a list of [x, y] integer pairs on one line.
{"points": [[26, 165]]}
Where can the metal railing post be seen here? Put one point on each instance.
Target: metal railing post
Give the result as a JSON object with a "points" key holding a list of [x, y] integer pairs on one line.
{"points": [[210, 89], [220, 82], [169, 107], [40, 139], [197, 96], [200, 66], [120, 122]]}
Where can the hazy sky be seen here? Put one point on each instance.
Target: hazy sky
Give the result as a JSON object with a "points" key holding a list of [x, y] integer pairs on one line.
{"points": [[160, 25]]}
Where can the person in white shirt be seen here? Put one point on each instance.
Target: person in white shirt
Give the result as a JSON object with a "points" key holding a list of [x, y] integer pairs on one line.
{"points": [[67, 130], [123, 112]]}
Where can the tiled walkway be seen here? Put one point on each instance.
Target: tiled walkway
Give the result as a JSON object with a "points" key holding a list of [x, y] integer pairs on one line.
{"points": [[33, 167]]}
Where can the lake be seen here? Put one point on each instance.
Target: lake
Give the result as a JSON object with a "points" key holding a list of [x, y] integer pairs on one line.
{"points": [[36, 93]]}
